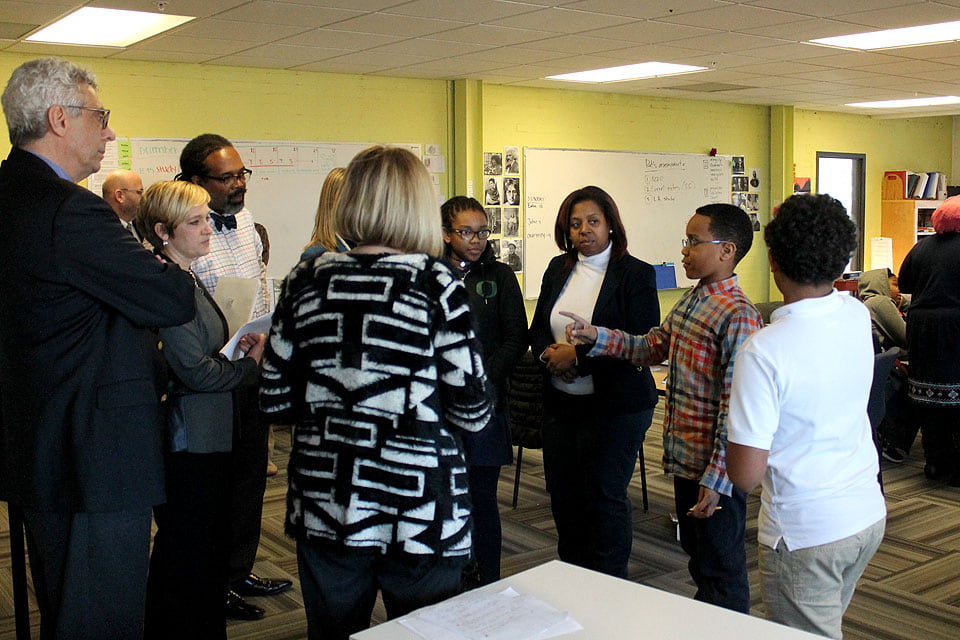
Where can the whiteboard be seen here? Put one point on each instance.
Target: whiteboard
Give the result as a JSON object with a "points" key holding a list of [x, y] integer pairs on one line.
{"points": [[655, 192], [282, 193]]}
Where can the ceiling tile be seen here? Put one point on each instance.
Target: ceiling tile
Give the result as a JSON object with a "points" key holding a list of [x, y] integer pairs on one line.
{"points": [[826, 8], [61, 50], [647, 10], [269, 12], [402, 26], [650, 31], [905, 15], [198, 8], [162, 56], [212, 46], [575, 44], [494, 36], [561, 20], [339, 39], [732, 17], [727, 41], [472, 11], [253, 32]]}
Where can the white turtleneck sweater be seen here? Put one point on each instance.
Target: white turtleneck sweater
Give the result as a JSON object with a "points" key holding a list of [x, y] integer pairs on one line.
{"points": [[579, 295]]}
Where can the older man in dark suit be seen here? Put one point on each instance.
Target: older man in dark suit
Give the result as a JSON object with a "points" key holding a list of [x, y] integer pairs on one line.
{"points": [[80, 439]]}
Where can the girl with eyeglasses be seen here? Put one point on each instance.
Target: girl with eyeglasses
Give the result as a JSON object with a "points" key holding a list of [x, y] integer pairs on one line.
{"points": [[497, 308]]}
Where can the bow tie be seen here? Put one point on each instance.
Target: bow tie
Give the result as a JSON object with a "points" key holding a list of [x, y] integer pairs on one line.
{"points": [[230, 222]]}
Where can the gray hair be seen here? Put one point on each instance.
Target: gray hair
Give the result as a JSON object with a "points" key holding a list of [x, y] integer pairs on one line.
{"points": [[34, 87]]}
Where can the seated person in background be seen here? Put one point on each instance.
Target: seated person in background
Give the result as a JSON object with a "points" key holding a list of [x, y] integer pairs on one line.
{"points": [[880, 292], [822, 513], [888, 307], [701, 335]]}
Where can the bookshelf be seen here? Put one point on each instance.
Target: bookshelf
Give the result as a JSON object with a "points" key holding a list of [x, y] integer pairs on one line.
{"points": [[905, 221]]}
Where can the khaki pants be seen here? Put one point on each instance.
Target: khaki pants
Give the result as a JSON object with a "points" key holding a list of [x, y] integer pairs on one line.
{"points": [[810, 588]]}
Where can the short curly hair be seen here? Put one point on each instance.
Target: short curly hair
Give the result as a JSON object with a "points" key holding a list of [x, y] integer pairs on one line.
{"points": [[811, 238]]}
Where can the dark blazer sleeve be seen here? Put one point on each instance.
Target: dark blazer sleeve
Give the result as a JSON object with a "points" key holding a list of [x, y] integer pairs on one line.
{"points": [[191, 350], [98, 257]]}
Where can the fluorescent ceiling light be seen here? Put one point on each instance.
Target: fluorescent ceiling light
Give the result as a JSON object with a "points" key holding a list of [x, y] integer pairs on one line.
{"points": [[913, 102], [628, 72], [106, 27], [892, 38]]}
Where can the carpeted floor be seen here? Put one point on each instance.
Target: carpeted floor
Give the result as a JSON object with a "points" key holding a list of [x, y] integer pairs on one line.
{"points": [[911, 590]]}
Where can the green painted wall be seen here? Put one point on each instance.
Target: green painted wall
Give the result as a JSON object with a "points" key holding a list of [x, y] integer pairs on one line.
{"points": [[916, 144]]}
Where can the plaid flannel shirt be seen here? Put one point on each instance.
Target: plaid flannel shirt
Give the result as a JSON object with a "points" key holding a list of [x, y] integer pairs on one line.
{"points": [[701, 336], [235, 253]]}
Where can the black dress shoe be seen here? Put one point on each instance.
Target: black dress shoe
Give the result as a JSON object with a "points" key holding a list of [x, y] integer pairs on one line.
{"points": [[254, 585], [238, 609]]}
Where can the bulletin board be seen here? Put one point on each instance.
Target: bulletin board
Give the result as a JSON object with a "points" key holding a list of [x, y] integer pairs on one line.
{"points": [[655, 192], [282, 193]]}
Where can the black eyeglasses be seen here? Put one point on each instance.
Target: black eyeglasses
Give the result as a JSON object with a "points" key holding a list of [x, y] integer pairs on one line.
{"points": [[232, 178], [468, 234], [104, 113], [139, 192]]}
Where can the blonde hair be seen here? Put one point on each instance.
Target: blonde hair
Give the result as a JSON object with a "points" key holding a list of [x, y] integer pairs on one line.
{"points": [[324, 225], [388, 199], [168, 204]]}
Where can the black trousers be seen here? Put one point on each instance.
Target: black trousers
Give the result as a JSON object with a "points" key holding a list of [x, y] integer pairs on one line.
{"points": [[588, 460], [487, 533], [248, 482], [716, 546], [89, 572], [340, 586], [186, 591]]}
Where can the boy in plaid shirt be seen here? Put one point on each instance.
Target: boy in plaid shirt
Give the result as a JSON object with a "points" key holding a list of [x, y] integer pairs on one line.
{"points": [[700, 336]]}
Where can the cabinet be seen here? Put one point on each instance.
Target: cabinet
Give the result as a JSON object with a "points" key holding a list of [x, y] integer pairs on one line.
{"points": [[906, 221]]}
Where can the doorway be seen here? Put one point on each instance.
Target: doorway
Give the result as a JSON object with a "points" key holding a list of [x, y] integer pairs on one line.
{"points": [[842, 176]]}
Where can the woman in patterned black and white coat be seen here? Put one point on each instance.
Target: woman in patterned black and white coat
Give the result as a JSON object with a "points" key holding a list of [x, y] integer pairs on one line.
{"points": [[372, 356]]}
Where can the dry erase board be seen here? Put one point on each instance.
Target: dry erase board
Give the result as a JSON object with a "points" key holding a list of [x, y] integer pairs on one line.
{"points": [[282, 194], [656, 193]]}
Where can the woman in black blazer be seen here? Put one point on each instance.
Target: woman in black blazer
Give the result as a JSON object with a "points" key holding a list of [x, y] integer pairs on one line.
{"points": [[597, 409], [187, 585]]}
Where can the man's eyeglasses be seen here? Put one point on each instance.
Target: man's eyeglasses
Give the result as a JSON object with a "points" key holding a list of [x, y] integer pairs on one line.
{"points": [[139, 192], [692, 242], [468, 234], [232, 178], [104, 113]]}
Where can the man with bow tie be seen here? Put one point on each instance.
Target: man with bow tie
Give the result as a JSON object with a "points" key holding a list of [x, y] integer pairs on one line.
{"points": [[211, 161]]}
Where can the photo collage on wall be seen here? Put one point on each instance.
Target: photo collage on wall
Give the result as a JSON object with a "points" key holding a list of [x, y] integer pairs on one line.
{"points": [[745, 190], [501, 200]]}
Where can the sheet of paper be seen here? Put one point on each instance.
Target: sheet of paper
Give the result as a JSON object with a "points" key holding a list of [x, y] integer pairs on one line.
{"points": [[480, 615], [236, 298], [260, 325], [881, 253]]}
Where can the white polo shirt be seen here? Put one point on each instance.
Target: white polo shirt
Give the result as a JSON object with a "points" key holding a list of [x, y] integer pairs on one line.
{"points": [[800, 391]]}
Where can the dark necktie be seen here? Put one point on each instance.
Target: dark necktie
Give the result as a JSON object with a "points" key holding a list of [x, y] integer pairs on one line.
{"points": [[230, 222]]}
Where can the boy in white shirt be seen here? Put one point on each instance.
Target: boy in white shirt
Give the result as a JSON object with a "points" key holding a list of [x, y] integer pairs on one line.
{"points": [[798, 424]]}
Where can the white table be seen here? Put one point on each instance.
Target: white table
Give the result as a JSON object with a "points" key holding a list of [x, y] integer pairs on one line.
{"points": [[613, 609]]}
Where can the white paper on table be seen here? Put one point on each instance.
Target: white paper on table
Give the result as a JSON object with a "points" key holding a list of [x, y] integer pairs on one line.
{"points": [[881, 253], [481, 615], [260, 325]]}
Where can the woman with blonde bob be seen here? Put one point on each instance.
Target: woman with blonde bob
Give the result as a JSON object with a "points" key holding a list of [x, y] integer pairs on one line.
{"points": [[373, 357], [325, 237], [189, 564]]}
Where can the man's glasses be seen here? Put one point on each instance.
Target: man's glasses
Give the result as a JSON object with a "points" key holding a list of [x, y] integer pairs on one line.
{"points": [[232, 178], [103, 113], [139, 192], [692, 242], [468, 234]]}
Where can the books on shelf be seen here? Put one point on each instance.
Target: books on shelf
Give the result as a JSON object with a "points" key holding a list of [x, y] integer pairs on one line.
{"points": [[904, 185]]}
